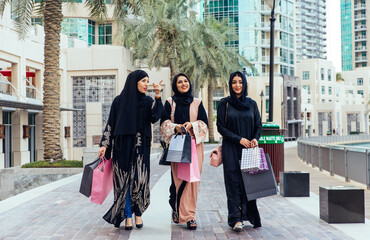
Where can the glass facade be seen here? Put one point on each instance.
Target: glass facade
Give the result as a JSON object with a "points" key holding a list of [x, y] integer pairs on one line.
{"points": [[251, 19], [346, 32], [79, 28]]}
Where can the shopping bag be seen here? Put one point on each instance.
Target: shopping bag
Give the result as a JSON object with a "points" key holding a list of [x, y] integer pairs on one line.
{"points": [[87, 176], [163, 155], [180, 149], [251, 159], [216, 156], [102, 182], [190, 171], [263, 165], [260, 185]]}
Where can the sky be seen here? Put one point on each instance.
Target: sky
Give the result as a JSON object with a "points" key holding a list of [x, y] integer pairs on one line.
{"points": [[333, 33]]}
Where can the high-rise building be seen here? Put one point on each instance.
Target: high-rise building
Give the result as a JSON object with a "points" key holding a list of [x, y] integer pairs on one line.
{"points": [[354, 37], [252, 22], [310, 29]]}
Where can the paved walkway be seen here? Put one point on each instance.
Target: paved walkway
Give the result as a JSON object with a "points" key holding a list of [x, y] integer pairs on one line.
{"points": [[59, 211]]}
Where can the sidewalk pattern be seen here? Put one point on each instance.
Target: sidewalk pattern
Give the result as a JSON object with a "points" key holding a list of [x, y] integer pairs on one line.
{"points": [[280, 220], [65, 214]]}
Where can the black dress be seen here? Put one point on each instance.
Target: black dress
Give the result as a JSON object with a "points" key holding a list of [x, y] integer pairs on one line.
{"points": [[131, 159], [239, 124]]}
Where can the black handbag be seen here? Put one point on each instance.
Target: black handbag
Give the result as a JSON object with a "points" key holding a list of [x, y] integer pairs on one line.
{"points": [[86, 181], [163, 155]]}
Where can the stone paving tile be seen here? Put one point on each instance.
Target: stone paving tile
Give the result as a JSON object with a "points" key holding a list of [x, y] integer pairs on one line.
{"points": [[280, 219], [65, 214]]}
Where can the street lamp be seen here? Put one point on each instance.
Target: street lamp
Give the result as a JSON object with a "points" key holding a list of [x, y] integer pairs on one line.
{"points": [[305, 122], [271, 4], [262, 95]]}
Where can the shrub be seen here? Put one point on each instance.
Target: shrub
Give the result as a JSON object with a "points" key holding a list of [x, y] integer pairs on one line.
{"points": [[56, 164]]}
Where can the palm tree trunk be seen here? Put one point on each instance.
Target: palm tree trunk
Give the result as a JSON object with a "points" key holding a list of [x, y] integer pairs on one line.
{"points": [[210, 111], [51, 113]]}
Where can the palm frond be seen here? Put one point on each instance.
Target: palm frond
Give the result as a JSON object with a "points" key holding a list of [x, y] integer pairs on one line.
{"points": [[22, 12], [3, 4], [98, 9]]}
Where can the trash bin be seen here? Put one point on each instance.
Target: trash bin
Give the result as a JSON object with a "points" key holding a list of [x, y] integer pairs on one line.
{"points": [[272, 142]]}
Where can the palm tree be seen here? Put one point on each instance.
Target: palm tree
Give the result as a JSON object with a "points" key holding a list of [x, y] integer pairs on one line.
{"points": [[160, 35], [51, 11], [216, 60]]}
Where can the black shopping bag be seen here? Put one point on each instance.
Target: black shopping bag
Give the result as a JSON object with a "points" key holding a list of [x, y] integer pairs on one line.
{"points": [[260, 185], [86, 181], [163, 155], [180, 148]]}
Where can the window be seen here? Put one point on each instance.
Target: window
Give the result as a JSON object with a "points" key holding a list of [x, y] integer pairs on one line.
{"points": [[323, 100], [215, 105], [105, 34], [91, 32], [360, 92], [360, 81], [307, 88], [329, 74], [322, 74], [329, 90], [36, 21], [323, 90], [267, 91], [218, 92], [308, 100], [306, 75]]}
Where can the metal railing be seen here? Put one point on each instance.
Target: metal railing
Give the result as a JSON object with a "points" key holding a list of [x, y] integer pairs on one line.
{"points": [[329, 153]]}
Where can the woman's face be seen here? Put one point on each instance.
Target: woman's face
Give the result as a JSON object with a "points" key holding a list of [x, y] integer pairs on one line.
{"points": [[143, 84], [237, 85], [182, 84]]}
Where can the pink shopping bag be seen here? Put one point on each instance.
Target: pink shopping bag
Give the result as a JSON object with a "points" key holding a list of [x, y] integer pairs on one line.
{"points": [[190, 171], [102, 182]]}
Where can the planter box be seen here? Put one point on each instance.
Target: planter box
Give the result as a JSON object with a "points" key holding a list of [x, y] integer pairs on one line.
{"points": [[295, 184]]}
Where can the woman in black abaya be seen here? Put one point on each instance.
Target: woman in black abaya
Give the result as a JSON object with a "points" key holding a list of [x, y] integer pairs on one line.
{"points": [[239, 123], [128, 135]]}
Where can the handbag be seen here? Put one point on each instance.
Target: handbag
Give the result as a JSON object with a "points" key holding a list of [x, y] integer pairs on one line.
{"points": [[179, 149], [263, 166], [190, 172], [163, 155], [216, 154], [87, 177], [251, 159], [102, 182], [260, 185]]}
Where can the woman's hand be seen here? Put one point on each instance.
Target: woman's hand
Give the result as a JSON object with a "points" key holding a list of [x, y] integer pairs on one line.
{"points": [[187, 126], [245, 142], [157, 89], [102, 151], [254, 143], [178, 128]]}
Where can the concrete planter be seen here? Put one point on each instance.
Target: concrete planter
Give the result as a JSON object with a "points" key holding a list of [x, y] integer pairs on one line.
{"points": [[16, 180]]}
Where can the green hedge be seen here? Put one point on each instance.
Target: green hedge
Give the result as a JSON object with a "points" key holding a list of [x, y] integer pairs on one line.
{"points": [[55, 164]]}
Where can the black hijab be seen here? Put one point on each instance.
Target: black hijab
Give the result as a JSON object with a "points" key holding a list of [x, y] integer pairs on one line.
{"points": [[241, 103], [129, 101], [182, 101]]}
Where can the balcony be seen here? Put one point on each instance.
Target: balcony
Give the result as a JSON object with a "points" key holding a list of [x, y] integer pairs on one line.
{"points": [[361, 59], [266, 43], [361, 49], [361, 6], [360, 17], [360, 38], [360, 28]]}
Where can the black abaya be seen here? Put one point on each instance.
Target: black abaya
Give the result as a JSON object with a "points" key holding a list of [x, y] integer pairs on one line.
{"points": [[240, 123]]}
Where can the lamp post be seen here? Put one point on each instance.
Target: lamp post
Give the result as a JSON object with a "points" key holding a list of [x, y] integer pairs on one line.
{"points": [[271, 3], [262, 95], [305, 122]]}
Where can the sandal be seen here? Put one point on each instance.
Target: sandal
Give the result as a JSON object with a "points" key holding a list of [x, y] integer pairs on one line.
{"points": [[192, 225], [238, 227], [175, 217]]}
